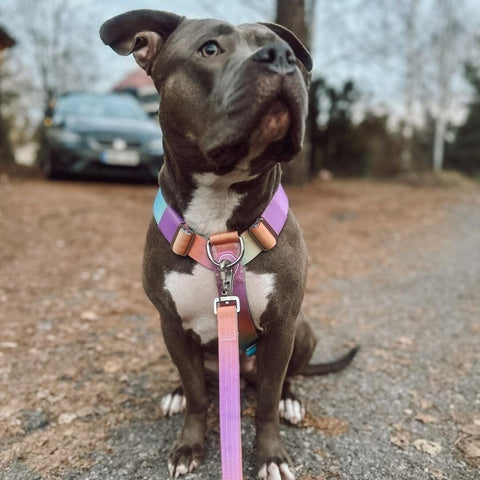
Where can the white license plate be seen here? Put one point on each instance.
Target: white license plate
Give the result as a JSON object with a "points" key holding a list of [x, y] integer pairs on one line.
{"points": [[126, 158]]}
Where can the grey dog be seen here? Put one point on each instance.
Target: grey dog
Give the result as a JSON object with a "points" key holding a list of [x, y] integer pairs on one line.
{"points": [[232, 109]]}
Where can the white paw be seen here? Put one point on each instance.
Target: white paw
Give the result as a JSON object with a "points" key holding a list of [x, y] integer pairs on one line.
{"points": [[181, 469], [275, 472], [292, 411], [173, 403]]}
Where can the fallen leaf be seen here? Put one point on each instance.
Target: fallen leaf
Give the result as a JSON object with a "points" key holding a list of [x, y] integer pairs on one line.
{"points": [[426, 446], [404, 342], [436, 473], [472, 429], [425, 404], [89, 316], [66, 418], [470, 447], [250, 411], [382, 353], [400, 439], [112, 366], [327, 425], [425, 418]]}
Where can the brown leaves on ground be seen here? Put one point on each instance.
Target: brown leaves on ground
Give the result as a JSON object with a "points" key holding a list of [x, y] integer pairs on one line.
{"points": [[81, 350], [428, 446], [469, 441], [401, 439], [326, 425], [470, 447], [426, 418]]}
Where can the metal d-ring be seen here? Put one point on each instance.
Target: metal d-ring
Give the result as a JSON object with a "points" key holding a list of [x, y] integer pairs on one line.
{"points": [[230, 264]]}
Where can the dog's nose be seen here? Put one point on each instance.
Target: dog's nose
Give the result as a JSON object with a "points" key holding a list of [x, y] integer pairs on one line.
{"points": [[277, 57]]}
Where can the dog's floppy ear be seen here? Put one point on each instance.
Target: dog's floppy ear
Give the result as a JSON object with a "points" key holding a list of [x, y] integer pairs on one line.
{"points": [[296, 45], [141, 32]]}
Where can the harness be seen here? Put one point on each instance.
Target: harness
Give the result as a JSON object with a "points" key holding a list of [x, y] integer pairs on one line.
{"points": [[226, 254]]}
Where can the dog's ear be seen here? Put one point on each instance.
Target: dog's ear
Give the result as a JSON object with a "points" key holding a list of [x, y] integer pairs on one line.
{"points": [[141, 32], [296, 45]]}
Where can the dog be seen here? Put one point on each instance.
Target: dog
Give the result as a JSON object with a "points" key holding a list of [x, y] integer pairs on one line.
{"points": [[233, 103]]}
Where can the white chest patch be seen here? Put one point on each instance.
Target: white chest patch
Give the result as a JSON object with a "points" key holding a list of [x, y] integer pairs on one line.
{"points": [[194, 294], [213, 202]]}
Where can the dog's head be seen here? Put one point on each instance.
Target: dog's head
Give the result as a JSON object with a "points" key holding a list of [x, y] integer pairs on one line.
{"points": [[231, 92]]}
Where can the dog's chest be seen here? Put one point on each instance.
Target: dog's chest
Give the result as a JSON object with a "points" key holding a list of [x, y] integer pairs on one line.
{"points": [[194, 294], [212, 202], [208, 212]]}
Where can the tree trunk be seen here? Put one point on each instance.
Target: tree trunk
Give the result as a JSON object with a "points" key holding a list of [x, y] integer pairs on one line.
{"points": [[292, 15], [439, 142]]}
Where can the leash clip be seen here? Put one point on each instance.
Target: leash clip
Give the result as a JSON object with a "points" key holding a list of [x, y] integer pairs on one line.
{"points": [[226, 277], [231, 264]]}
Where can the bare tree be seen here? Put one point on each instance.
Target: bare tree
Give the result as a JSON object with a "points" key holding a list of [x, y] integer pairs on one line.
{"points": [[55, 44], [448, 43], [437, 35]]}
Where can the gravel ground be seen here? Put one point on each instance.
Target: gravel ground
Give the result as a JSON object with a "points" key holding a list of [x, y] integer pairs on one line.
{"points": [[407, 408]]}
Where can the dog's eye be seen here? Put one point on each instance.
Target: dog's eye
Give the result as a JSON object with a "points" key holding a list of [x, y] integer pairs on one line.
{"points": [[210, 49]]}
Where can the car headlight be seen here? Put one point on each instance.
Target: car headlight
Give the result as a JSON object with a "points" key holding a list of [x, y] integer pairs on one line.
{"points": [[68, 137], [155, 147]]}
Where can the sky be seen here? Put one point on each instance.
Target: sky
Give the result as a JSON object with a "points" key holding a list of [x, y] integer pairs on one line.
{"points": [[359, 40], [334, 33]]}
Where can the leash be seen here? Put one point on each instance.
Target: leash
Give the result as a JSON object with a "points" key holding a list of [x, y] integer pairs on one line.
{"points": [[226, 254], [226, 250]]}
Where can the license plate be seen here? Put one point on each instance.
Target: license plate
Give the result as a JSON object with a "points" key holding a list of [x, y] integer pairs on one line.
{"points": [[126, 158]]}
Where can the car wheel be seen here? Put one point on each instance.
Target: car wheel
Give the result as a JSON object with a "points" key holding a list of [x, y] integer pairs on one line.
{"points": [[47, 165]]}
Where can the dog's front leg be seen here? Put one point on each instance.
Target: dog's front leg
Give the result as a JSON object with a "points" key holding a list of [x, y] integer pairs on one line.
{"points": [[187, 355], [273, 354]]}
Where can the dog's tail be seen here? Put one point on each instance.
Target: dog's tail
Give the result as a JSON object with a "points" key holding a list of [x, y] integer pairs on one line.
{"points": [[330, 367]]}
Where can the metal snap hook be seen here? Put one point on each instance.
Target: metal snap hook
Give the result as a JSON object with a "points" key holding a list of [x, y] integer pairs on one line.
{"points": [[231, 263]]}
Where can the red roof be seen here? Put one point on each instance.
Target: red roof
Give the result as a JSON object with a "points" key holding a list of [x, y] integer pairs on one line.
{"points": [[135, 79], [6, 40]]}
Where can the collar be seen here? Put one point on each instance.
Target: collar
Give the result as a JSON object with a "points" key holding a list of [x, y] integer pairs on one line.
{"points": [[261, 236]]}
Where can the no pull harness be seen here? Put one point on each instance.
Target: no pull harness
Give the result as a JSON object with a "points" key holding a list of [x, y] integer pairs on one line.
{"points": [[261, 236], [226, 254]]}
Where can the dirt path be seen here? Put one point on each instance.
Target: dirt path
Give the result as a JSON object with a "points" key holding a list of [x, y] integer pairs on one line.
{"points": [[82, 364]]}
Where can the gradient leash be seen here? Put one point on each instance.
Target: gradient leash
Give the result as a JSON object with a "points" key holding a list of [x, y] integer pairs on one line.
{"points": [[225, 251]]}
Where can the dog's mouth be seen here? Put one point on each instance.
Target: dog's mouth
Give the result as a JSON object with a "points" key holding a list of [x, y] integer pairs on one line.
{"points": [[273, 129], [274, 125]]}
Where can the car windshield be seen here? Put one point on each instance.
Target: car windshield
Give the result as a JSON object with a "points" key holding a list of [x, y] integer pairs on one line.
{"points": [[95, 106]]}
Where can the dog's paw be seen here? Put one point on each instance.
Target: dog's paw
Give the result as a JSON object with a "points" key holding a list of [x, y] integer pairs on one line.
{"points": [[275, 471], [291, 410], [184, 459], [174, 403]]}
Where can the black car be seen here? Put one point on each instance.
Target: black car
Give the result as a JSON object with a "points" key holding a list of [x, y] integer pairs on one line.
{"points": [[107, 135]]}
